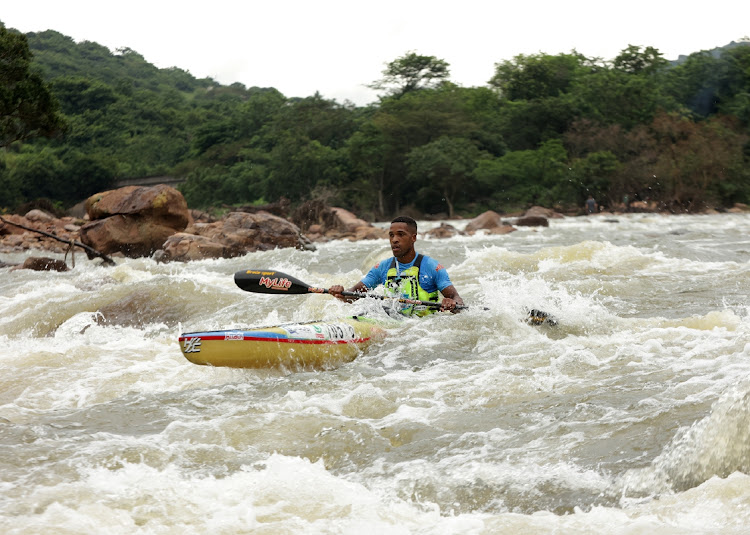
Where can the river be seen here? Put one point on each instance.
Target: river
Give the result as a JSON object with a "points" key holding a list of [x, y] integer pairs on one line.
{"points": [[629, 416]]}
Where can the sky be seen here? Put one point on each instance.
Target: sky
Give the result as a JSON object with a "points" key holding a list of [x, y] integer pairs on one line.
{"points": [[337, 47]]}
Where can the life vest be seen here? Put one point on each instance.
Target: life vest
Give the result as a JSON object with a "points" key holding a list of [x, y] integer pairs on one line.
{"points": [[406, 285]]}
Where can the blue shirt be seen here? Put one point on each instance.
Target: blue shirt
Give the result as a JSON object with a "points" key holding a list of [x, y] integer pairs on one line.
{"points": [[432, 275]]}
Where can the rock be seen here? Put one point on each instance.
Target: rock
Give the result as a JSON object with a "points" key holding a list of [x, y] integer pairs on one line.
{"points": [[161, 202], [238, 233], [323, 223], [486, 220], [532, 221], [443, 231], [539, 211], [39, 216], [134, 220], [369, 232], [40, 263], [342, 220], [132, 236], [503, 229], [182, 247]]}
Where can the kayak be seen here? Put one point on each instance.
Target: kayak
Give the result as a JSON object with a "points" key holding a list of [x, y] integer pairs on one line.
{"points": [[315, 344]]}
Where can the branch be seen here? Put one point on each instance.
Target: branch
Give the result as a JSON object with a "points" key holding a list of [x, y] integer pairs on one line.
{"points": [[107, 260]]}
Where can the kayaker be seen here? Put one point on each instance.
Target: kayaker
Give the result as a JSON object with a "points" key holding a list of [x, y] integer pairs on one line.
{"points": [[407, 274]]}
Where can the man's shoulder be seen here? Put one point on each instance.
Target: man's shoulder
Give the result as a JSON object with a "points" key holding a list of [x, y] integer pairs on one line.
{"points": [[383, 264], [429, 263]]}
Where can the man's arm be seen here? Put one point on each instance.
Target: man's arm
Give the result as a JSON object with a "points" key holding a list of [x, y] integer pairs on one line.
{"points": [[450, 299]]}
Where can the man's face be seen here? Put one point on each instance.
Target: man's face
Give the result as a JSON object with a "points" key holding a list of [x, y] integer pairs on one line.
{"points": [[402, 239]]}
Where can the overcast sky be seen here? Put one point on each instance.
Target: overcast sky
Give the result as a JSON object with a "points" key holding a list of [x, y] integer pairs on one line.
{"points": [[336, 47]]}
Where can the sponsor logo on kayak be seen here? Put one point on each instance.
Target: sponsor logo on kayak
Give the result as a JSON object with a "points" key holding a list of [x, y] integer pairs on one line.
{"points": [[192, 345], [234, 336], [276, 283]]}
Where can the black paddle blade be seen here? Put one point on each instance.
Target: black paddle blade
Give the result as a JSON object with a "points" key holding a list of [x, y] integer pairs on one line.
{"points": [[265, 281]]}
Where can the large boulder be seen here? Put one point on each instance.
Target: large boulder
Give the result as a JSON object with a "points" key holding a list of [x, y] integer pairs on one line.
{"points": [[134, 220], [133, 236], [160, 203], [490, 221], [486, 220]]}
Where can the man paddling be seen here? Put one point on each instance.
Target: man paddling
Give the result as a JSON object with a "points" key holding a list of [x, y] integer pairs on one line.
{"points": [[407, 274]]}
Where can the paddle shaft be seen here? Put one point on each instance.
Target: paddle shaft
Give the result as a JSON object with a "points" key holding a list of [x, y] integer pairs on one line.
{"points": [[356, 295], [275, 282]]}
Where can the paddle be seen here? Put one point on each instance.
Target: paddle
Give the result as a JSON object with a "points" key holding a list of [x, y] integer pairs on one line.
{"points": [[267, 281]]}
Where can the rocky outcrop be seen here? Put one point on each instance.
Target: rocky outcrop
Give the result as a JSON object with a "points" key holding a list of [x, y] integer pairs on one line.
{"points": [[323, 223], [444, 231], [134, 220], [14, 237], [236, 234]]}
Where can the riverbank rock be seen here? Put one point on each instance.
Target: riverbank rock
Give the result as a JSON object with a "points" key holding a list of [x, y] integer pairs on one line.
{"points": [[15, 238], [41, 263], [134, 220], [532, 221], [323, 223], [490, 221], [444, 231], [540, 211], [236, 234]]}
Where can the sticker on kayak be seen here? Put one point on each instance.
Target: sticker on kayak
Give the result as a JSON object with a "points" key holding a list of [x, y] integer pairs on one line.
{"points": [[327, 331], [192, 345], [234, 336]]}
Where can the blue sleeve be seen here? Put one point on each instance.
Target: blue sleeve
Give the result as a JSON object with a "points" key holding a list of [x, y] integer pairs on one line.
{"points": [[376, 276], [433, 275]]}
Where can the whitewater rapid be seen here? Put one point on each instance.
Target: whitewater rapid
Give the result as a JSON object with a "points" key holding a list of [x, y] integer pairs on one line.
{"points": [[629, 416]]}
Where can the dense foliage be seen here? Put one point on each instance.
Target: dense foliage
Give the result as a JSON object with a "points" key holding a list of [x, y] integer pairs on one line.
{"points": [[547, 129]]}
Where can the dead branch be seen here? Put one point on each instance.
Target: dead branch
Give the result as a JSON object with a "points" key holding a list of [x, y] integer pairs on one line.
{"points": [[107, 260]]}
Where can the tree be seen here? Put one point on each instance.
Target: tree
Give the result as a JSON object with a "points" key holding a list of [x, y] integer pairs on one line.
{"points": [[411, 72], [444, 166], [527, 176], [538, 76], [27, 107], [633, 60]]}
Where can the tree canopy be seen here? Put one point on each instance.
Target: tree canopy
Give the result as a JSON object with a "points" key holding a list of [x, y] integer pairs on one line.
{"points": [[546, 129]]}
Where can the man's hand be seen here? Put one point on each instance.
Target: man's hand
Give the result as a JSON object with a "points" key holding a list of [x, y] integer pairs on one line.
{"points": [[448, 305], [451, 300], [337, 291]]}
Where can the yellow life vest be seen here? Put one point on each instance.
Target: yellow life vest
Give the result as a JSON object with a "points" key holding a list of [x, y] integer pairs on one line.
{"points": [[406, 285]]}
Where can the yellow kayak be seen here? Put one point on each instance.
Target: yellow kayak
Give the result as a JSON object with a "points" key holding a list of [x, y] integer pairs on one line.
{"points": [[317, 344]]}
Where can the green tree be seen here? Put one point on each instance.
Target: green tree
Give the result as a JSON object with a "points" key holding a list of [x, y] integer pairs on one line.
{"points": [[445, 167], [39, 174], [27, 108], [404, 123], [538, 76], [525, 177], [637, 60], [411, 72]]}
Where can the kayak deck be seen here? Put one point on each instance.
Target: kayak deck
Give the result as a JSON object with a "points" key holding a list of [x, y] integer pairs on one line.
{"points": [[317, 344]]}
